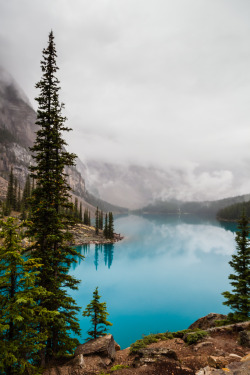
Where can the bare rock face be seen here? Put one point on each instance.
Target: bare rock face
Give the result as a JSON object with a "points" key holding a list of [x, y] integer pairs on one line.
{"points": [[103, 347], [146, 356], [207, 321], [234, 368]]}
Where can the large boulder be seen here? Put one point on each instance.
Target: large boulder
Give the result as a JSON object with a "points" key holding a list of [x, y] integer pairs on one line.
{"points": [[103, 346], [207, 321]]}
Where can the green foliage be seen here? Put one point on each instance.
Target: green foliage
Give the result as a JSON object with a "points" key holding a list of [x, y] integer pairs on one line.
{"points": [[239, 298], [181, 334], [194, 337], [149, 339], [188, 335], [98, 312], [234, 211], [21, 318], [48, 224], [97, 221], [108, 231], [118, 367], [10, 198]]}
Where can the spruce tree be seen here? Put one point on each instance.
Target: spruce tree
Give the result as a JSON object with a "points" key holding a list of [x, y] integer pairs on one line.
{"points": [[21, 340], [26, 193], [101, 220], [49, 201], [18, 203], [97, 221], [98, 312], [10, 194], [80, 212], [239, 298], [111, 226], [105, 230]]}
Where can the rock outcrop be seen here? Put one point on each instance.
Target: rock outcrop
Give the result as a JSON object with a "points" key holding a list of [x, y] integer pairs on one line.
{"points": [[207, 321], [90, 358], [103, 346]]}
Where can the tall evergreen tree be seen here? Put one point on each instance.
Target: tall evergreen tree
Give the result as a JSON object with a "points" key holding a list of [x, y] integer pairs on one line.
{"points": [[50, 198], [97, 221], [15, 193], [18, 203], [89, 218], [111, 226], [239, 298], [10, 193], [98, 312], [26, 193], [101, 220], [20, 316], [105, 230], [80, 212]]}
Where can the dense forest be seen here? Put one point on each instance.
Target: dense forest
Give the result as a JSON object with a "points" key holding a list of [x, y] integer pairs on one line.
{"points": [[234, 211]]}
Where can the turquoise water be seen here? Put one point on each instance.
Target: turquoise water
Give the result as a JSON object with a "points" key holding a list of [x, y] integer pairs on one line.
{"points": [[166, 273]]}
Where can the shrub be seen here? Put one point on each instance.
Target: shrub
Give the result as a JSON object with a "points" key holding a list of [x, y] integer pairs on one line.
{"points": [[149, 339], [194, 337], [118, 367]]}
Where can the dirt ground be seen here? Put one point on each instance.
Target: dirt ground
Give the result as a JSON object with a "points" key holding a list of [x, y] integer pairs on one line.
{"points": [[190, 358]]}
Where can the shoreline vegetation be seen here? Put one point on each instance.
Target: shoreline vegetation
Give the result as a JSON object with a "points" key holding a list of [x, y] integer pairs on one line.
{"points": [[84, 234]]}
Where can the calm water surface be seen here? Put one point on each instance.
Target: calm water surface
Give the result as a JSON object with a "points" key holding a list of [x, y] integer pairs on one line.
{"points": [[166, 273]]}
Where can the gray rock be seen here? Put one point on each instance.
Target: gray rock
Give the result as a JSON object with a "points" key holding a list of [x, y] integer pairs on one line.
{"points": [[157, 352], [217, 362], [207, 321], [202, 345], [103, 346]]}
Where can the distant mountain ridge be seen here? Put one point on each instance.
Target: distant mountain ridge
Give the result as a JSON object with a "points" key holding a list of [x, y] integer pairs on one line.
{"points": [[206, 208]]}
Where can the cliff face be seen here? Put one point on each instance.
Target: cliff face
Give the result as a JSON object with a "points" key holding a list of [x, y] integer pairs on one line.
{"points": [[17, 134]]}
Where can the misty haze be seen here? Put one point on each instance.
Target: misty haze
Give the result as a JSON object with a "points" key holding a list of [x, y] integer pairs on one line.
{"points": [[124, 231], [156, 93]]}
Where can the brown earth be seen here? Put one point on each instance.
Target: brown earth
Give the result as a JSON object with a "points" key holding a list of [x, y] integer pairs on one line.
{"points": [[218, 353]]}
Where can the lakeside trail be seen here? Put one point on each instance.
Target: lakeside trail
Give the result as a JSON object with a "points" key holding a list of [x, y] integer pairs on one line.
{"points": [[222, 350]]}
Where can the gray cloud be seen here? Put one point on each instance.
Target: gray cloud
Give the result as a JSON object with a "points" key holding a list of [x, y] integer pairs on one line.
{"points": [[165, 83]]}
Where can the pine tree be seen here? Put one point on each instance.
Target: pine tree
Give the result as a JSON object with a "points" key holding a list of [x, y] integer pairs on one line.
{"points": [[80, 212], [101, 220], [98, 312], [20, 315], [15, 193], [76, 209], [85, 217], [10, 194], [239, 298], [105, 231], [111, 226], [26, 193], [49, 201], [97, 221], [18, 203]]}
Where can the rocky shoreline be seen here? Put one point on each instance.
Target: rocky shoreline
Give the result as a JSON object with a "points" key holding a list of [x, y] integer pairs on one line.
{"points": [[222, 350], [84, 234]]}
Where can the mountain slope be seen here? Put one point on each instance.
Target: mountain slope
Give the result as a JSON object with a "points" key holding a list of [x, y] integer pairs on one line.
{"points": [[17, 134]]}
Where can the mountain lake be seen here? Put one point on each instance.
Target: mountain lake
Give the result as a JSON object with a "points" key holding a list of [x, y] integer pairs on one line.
{"points": [[167, 272]]}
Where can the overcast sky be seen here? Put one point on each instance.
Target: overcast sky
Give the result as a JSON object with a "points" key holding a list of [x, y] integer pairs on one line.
{"points": [[160, 82]]}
